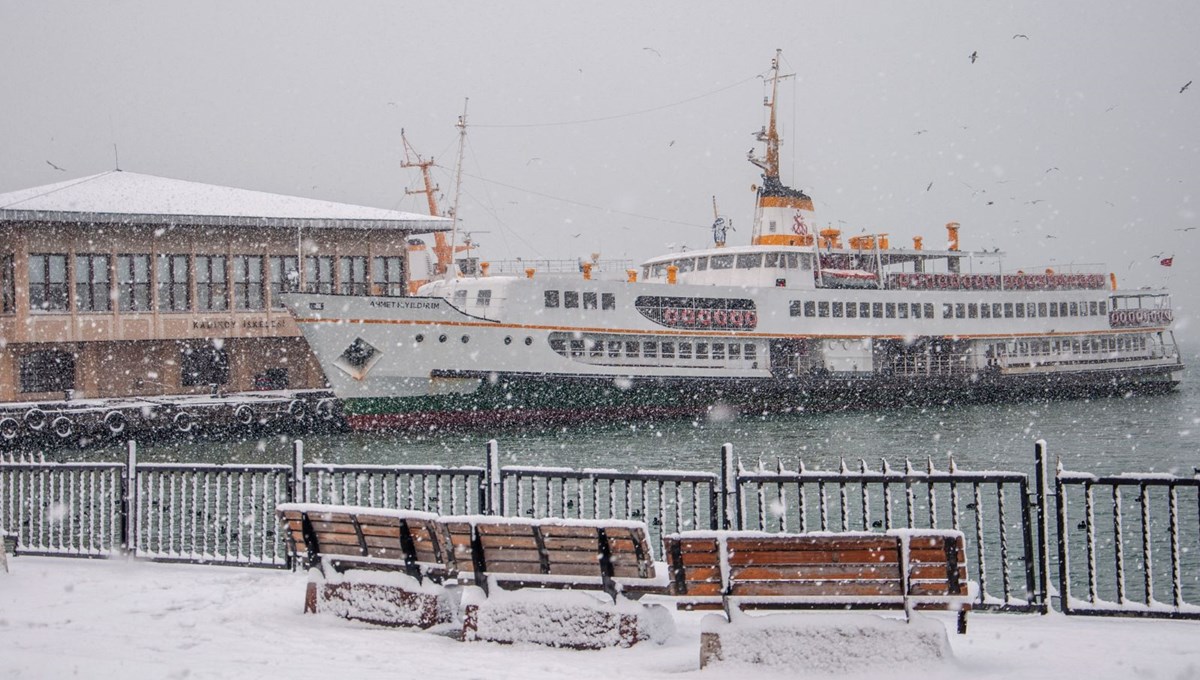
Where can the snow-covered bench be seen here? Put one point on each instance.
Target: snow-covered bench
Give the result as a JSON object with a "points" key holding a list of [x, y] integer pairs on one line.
{"points": [[541, 558], [371, 564], [743, 570], [398, 567]]}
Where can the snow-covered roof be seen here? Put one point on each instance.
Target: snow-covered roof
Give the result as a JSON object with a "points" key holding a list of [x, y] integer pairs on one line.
{"points": [[119, 197]]}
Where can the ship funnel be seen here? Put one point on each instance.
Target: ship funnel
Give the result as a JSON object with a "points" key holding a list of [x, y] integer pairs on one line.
{"points": [[952, 235]]}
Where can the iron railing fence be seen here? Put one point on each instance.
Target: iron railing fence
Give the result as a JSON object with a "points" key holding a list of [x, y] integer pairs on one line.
{"points": [[430, 488], [992, 509], [1129, 545], [63, 509]]}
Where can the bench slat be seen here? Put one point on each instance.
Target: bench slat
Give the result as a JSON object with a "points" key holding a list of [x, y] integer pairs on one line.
{"points": [[817, 572], [805, 589], [880, 557]]}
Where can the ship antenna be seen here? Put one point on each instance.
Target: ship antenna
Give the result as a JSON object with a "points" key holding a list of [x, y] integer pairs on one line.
{"points": [[770, 164], [445, 256], [462, 143]]}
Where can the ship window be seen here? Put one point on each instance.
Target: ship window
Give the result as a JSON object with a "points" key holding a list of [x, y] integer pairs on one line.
{"points": [[1042, 309], [890, 310], [484, 298], [659, 270], [902, 310], [701, 264], [1032, 309], [1094, 307], [805, 261], [1062, 309], [595, 348], [608, 301], [650, 349], [47, 371], [1103, 307], [668, 350], [851, 310], [771, 260], [997, 310], [1053, 309], [985, 311], [1008, 310], [460, 298], [1020, 310], [685, 265], [839, 310], [614, 349], [589, 300], [973, 310], [631, 348], [810, 308], [722, 261], [947, 310], [1074, 309], [571, 299], [646, 272], [685, 350], [750, 352], [864, 310], [701, 350], [718, 351], [558, 345], [795, 308], [960, 311], [823, 309], [735, 352], [551, 298], [576, 348], [749, 260], [916, 310]]}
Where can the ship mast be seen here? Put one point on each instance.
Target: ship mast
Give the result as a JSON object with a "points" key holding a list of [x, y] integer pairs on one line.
{"points": [[782, 214], [441, 248], [770, 135], [462, 143]]}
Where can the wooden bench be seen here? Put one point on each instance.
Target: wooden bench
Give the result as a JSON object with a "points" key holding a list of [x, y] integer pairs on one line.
{"points": [[608, 556], [338, 542], [900, 569]]}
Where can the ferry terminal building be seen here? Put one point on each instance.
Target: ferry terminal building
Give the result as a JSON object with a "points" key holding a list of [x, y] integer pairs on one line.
{"points": [[124, 284]]}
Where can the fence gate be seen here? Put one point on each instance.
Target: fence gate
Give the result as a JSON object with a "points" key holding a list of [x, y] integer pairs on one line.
{"points": [[1138, 542]]}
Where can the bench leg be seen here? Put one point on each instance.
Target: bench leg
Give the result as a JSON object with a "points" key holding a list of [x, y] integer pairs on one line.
{"points": [[310, 598], [962, 622]]}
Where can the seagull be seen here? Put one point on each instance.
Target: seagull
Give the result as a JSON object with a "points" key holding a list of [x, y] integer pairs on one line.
{"points": [[929, 187], [56, 167], [974, 56], [1186, 229], [535, 158], [1050, 236], [651, 49], [1049, 170], [672, 143], [1185, 87], [1110, 108], [576, 235], [1020, 35], [920, 132], [1034, 201]]}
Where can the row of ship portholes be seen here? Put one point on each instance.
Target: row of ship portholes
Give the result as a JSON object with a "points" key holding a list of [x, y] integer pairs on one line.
{"points": [[508, 339]]}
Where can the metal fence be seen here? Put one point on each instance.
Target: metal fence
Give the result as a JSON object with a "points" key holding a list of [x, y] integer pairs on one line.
{"points": [[1125, 545]]}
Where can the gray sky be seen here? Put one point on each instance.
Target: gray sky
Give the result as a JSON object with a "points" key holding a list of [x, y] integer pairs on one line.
{"points": [[1073, 144]]}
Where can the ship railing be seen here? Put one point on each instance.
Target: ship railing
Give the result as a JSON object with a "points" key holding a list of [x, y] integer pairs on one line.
{"points": [[910, 365]]}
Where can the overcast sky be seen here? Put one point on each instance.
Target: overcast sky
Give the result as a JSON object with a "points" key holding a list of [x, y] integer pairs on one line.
{"points": [[1067, 140]]}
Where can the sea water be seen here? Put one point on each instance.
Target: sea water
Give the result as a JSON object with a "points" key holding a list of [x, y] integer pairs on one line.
{"points": [[1134, 433]]}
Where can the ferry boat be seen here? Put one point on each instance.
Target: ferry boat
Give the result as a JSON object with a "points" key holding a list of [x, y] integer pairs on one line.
{"points": [[798, 319]]}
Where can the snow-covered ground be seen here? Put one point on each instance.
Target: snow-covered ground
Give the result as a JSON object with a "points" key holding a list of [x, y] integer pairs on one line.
{"points": [[62, 618]]}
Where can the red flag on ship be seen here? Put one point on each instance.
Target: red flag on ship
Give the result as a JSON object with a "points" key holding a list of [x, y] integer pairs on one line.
{"points": [[1167, 261]]}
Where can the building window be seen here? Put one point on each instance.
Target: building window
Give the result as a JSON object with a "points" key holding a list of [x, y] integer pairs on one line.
{"points": [[212, 283], [284, 277], [203, 364], [571, 299], [92, 283], [608, 301], [589, 300], [388, 273], [174, 283], [8, 289], [48, 282], [318, 274], [248, 281], [133, 282], [551, 299], [352, 275], [48, 370]]}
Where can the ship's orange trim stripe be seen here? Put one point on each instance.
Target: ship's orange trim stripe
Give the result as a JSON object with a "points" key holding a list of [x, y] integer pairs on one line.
{"points": [[726, 334]]}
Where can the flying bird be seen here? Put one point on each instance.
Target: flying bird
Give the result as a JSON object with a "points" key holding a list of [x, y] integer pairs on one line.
{"points": [[1034, 201], [56, 167], [974, 56], [929, 187], [651, 49], [1186, 229], [1185, 87], [672, 143], [920, 132], [1020, 35], [1049, 170]]}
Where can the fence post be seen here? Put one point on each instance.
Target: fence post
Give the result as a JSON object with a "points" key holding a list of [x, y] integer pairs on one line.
{"points": [[1043, 523], [493, 491], [129, 503], [299, 483], [730, 505]]}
